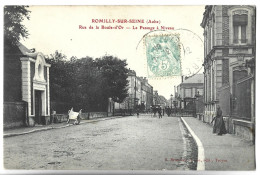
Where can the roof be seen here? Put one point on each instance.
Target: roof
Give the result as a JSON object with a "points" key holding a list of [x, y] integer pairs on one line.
{"points": [[23, 49], [197, 78]]}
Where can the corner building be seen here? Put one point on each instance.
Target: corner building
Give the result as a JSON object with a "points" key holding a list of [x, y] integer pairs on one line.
{"points": [[229, 66]]}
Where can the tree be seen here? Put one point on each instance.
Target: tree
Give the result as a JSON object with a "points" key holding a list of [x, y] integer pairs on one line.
{"points": [[13, 27], [58, 81], [114, 74], [86, 83]]}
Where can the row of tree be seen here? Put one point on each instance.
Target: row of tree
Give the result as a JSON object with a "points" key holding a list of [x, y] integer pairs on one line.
{"points": [[86, 83]]}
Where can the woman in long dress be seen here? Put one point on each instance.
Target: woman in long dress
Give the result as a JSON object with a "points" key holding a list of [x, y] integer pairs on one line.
{"points": [[219, 125]]}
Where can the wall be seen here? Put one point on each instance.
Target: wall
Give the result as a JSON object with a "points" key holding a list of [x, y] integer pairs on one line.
{"points": [[93, 115], [244, 129], [57, 118], [15, 114]]}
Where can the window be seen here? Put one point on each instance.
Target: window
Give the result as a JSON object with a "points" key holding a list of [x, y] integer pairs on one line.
{"points": [[39, 68], [240, 20], [188, 93]]}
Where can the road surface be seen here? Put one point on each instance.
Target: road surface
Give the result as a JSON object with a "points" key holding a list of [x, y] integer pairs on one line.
{"points": [[129, 143]]}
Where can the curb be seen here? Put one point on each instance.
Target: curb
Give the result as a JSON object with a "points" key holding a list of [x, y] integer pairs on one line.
{"points": [[201, 155], [59, 127]]}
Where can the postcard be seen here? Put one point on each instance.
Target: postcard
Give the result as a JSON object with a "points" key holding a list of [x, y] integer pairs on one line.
{"points": [[158, 88]]}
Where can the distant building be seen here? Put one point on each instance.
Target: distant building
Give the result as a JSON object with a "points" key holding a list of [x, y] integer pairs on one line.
{"points": [[159, 100], [229, 63], [26, 81], [188, 89], [140, 93], [146, 93]]}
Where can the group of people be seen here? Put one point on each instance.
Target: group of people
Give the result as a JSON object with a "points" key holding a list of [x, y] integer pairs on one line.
{"points": [[154, 110], [218, 126], [157, 109]]}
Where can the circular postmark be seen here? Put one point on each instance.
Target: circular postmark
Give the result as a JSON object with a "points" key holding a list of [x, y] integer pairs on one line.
{"points": [[192, 52], [171, 54]]}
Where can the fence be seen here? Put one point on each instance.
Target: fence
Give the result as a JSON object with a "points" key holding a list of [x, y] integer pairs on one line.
{"points": [[123, 112], [15, 114], [243, 99], [225, 105], [224, 100]]}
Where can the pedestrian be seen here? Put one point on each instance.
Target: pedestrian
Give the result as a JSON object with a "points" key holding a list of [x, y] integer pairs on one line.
{"points": [[219, 124], [163, 112], [154, 111], [137, 113], [168, 111], [68, 116], [160, 112]]}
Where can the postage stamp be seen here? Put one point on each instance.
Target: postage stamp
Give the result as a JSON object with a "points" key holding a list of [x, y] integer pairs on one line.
{"points": [[163, 54]]}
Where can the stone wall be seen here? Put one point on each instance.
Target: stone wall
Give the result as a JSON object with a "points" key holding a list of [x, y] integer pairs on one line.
{"points": [[15, 114], [244, 129], [93, 115]]}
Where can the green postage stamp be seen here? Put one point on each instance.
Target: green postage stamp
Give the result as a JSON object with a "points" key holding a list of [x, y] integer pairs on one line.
{"points": [[163, 54]]}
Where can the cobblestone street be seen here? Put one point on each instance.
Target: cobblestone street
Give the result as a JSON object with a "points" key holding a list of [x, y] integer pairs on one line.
{"points": [[129, 143]]}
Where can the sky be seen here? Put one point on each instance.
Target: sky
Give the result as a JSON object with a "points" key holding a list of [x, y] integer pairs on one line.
{"points": [[62, 28]]}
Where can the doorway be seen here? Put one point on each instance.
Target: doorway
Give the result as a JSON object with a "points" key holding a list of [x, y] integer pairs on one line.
{"points": [[38, 106]]}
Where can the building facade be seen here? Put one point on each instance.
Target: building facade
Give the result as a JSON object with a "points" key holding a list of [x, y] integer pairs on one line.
{"points": [[160, 100], [26, 79], [140, 93], [188, 90], [146, 93], [229, 76]]}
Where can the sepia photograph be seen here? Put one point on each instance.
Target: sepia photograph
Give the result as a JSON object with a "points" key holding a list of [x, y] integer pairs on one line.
{"points": [[164, 88]]}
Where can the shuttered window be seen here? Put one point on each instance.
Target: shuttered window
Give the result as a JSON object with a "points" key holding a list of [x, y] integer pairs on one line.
{"points": [[239, 28]]}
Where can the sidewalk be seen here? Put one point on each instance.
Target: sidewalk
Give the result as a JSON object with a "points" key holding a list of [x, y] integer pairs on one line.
{"points": [[226, 152], [37, 128]]}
